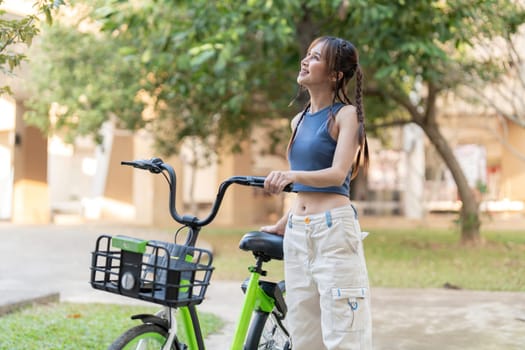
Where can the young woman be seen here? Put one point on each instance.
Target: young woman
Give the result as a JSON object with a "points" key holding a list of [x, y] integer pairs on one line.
{"points": [[327, 289]]}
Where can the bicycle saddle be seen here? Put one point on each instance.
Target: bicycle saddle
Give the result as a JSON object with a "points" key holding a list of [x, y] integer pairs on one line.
{"points": [[267, 245]]}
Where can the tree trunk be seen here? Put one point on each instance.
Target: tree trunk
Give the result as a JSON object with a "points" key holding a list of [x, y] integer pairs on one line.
{"points": [[469, 217], [307, 30]]}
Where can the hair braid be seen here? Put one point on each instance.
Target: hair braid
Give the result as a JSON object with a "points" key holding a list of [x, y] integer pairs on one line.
{"points": [[294, 131], [363, 143]]}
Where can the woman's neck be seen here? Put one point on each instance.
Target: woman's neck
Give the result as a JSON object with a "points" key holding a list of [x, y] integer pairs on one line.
{"points": [[320, 99]]}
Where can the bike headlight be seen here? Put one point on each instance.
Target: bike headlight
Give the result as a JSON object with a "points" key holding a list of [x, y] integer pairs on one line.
{"points": [[127, 281]]}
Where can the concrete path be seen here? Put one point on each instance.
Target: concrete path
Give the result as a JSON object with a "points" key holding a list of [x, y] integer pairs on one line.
{"points": [[52, 262]]}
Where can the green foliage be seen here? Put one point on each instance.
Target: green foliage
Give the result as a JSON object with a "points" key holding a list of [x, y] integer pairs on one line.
{"points": [[409, 43], [86, 84], [20, 32], [220, 67], [208, 62], [76, 326]]}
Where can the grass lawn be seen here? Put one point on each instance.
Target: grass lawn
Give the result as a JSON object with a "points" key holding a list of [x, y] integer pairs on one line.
{"points": [[408, 258], [75, 326]]}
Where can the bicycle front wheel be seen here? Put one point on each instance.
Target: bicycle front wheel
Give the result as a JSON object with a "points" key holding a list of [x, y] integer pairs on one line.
{"points": [[142, 337], [267, 333]]}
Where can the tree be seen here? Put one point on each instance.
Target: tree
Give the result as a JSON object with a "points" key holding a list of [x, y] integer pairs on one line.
{"points": [[20, 31], [417, 51], [213, 69]]}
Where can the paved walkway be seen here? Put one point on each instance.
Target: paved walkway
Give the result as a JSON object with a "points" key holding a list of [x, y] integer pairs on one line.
{"points": [[52, 262]]}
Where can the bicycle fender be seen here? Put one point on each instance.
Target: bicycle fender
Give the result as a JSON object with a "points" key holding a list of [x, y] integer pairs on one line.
{"points": [[152, 319]]}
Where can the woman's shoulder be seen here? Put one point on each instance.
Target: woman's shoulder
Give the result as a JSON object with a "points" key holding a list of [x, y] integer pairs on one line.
{"points": [[295, 120], [346, 110]]}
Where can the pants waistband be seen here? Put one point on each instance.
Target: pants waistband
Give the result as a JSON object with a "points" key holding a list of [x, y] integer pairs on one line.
{"points": [[327, 216]]}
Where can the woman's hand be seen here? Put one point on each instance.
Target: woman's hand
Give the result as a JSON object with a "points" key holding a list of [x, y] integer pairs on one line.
{"points": [[275, 229], [277, 180], [278, 228]]}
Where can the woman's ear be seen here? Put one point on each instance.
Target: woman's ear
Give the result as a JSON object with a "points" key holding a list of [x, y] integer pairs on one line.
{"points": [[335, 76]]}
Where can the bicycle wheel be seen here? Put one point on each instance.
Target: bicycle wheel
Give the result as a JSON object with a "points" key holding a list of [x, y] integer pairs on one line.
{"points": [[142, 337], [268, 333]]}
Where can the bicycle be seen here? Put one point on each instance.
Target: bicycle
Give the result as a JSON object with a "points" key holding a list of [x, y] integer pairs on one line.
{"points": [[177, 276]]}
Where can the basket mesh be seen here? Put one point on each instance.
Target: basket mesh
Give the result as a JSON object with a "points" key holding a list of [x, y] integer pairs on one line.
{"points": [[165, 273]]}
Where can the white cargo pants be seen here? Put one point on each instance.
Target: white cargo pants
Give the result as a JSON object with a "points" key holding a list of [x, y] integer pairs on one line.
{"points": [[327, 290]]}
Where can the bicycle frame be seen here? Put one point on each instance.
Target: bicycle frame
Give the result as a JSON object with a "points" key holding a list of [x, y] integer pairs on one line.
{"points": [[255, 298]]}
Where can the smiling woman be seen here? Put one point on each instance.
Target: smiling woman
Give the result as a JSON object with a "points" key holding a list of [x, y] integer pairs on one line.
{"points": [[328, 296]]}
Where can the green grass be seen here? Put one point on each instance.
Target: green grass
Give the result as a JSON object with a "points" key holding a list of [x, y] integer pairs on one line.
{"points": [[75, 326], [431, 258], [409, 258]]}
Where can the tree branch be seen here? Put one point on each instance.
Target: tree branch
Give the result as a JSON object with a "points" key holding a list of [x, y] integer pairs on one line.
{"points": [[400, 99]]}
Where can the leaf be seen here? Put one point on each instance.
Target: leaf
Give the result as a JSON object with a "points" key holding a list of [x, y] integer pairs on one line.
{"points": [[146, 56], [49, 18], [201, 58]]}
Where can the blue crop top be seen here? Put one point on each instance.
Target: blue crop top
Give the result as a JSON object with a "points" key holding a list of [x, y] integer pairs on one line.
{"points": [[313, 149]]}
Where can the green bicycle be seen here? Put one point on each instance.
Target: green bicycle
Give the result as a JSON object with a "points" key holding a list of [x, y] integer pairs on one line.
{"points": [[177, 276]]}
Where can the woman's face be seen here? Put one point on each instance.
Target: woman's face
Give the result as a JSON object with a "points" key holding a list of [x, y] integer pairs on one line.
{"points": [[314, 69]]}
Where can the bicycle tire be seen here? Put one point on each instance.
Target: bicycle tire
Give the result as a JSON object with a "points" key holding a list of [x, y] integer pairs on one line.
{"points": [[267, 333], [142, 337]]}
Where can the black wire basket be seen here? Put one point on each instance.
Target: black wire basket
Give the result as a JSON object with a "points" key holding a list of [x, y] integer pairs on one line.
{"points": [[156, 271]]}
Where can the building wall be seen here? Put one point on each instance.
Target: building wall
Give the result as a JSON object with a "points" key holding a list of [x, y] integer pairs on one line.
{"points": [[238, 207], [7, 133], [513, 165], [119, 178], [30, 194]]}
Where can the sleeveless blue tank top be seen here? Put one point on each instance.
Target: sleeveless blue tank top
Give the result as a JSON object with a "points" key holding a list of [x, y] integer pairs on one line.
{"points": [[313, 149]]}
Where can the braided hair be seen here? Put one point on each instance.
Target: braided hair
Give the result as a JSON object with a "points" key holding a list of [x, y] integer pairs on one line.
{"points": [[342, 57]]}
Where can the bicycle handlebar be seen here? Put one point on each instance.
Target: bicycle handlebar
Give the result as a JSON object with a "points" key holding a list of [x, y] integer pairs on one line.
{"points": [[157, 166]]}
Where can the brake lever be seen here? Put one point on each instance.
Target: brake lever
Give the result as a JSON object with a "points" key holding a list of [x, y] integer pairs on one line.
{"points": [[156, 165]]}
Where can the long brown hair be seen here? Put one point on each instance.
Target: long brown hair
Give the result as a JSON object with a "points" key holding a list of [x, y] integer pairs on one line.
{"points": [[341, 56]]}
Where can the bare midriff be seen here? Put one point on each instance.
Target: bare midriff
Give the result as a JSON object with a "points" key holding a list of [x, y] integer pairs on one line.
{"points": [[309, 203]]}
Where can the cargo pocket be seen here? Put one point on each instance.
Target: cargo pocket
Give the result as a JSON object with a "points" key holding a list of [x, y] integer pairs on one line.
{"points": [[350, 309]]}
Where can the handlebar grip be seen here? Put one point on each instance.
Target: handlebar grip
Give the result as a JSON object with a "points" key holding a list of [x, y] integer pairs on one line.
{"points": [[153, 164], [258, 181], [288, 188], [125, 162]]}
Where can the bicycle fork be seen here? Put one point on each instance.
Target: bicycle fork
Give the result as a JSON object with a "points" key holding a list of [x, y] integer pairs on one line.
{"points": [[172, 333]]}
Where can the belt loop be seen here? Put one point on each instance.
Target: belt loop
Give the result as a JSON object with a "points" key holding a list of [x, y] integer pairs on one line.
{"points": [[290, 221], [355, 211], [328, 218]]}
